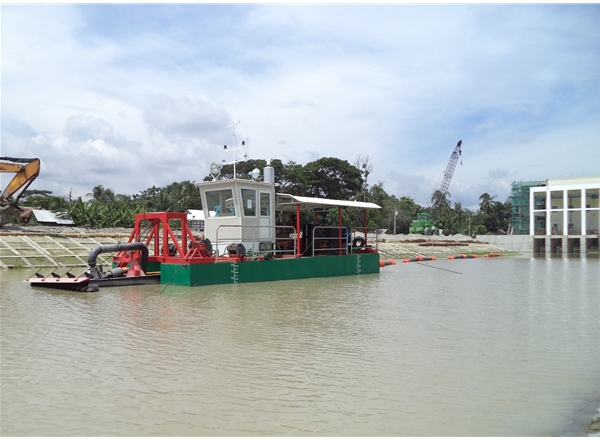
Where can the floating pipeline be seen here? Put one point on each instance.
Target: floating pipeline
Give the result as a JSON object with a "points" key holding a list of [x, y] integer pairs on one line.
{"points": [[461, 256], [383, 263], [491, 255], [418, 258]]}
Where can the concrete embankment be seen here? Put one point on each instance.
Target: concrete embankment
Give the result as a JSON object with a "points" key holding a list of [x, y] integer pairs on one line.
{"points": [[32, 247], [32, 250], [409, 246]]}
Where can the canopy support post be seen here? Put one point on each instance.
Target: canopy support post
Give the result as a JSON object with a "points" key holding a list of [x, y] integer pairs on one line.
{"points": [[298, 251], [340, 230], [366, 223]]}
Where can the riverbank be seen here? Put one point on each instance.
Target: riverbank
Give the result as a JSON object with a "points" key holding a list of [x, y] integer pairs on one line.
{"points": [[60, 246]]}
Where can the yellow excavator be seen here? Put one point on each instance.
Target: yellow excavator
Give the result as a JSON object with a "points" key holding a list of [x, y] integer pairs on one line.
{"points": [[26, 171]]}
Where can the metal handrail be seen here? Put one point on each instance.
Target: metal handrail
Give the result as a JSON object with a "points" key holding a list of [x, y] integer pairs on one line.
{"points": [[342, 239], [346, 249]]}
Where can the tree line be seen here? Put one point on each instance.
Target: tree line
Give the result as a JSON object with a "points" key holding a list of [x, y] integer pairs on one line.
{"points": [[326, 177]]}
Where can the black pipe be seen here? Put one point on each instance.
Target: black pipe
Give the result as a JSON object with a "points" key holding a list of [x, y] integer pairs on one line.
{"points": [[118, 247]]}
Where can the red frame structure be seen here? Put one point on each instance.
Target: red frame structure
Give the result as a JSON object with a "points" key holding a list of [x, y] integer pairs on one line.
{"points": [[160, 230]]}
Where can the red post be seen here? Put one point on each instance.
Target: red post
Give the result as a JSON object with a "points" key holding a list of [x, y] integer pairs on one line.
{"points": [[165, 234], [298, 253], [366, 222]]}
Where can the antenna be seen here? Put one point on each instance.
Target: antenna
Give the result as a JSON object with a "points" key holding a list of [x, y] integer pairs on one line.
{"points": [[233, 149]]}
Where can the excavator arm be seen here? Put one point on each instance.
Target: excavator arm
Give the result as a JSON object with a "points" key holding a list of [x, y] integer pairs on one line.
{"points": [[26, 171]]}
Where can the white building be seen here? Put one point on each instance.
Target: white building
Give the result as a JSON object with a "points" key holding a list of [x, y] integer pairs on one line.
{"points": [[565, 215]]}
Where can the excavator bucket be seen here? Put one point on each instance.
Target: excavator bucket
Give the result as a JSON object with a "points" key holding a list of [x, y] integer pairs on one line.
{"points": [[26, 171]]}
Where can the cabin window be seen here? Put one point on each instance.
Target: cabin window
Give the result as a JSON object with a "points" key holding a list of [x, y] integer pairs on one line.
{"points": [[265, 204], [220, 203], [249, 202]]}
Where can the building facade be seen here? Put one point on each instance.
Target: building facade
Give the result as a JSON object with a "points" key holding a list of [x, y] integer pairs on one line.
{"points": [[564, 215]]}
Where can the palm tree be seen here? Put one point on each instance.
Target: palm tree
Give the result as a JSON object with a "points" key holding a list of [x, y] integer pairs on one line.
{"points": [[102, 194], [440, 203], [164, 202], [486, 204], [502, 212], [457, 216]]}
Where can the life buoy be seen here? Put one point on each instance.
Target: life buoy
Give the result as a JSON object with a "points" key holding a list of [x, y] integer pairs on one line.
{"points": [[358, 242]]}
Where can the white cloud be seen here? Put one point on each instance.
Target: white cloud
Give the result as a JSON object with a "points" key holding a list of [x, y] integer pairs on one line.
{"points": [[83, 88], [186, 117]]}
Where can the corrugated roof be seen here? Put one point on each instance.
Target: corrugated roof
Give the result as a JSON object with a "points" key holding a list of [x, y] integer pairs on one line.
{"points": [[45, 216]]}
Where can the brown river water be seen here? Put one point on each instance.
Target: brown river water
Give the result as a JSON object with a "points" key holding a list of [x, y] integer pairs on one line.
{"points": [[498, 347]]}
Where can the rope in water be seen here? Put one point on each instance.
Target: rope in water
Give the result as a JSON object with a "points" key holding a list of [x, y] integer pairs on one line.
{"points": [[438, 268]]}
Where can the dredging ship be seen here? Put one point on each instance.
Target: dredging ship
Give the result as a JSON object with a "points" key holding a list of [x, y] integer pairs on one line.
{"points": [[251, 234]]}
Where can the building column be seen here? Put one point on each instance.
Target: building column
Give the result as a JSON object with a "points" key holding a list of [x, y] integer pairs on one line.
{"points": [[531, 213], [548, 212], [583, 214], [565, 213]]}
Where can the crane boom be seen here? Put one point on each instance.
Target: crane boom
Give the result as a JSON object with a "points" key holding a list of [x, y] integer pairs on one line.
{"points": [[423, 223], [447, 177]]}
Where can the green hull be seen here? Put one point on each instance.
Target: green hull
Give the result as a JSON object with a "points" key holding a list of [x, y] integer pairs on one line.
{"points": [[268, 270]]}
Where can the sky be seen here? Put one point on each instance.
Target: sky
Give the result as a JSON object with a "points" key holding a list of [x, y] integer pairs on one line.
{"points": [[135, 96]]}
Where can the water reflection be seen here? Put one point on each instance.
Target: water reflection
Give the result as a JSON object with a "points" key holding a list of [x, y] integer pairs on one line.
{"points": [[506, 347]]}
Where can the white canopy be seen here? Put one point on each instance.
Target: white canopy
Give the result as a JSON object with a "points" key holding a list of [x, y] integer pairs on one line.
{"points": [[287, 202], [195, 214]]}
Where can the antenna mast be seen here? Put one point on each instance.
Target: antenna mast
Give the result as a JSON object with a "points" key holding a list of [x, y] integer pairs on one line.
{"points": [[233, 149]]}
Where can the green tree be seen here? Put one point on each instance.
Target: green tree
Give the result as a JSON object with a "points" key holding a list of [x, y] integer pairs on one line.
{"points": [[499, 215], [407, 212], [44, 199], [176, 197], [35, 194], [291, 179], [362, 163], [326, 177], [332, 178], [440, 204], [102, 194], [456, 219], [486, 202], [377, 218]]}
